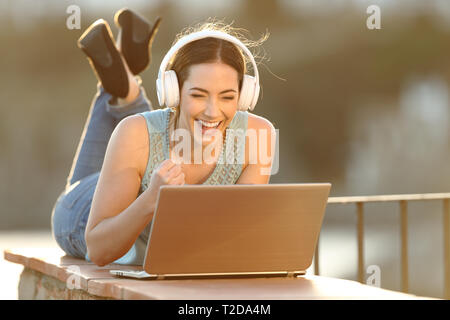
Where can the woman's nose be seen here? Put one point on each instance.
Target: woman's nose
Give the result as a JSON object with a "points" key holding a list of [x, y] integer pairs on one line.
{"points": [[212, 109]]}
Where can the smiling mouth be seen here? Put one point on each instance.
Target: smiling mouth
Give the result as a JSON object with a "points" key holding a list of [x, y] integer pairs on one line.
{"points": [[206, 125]]}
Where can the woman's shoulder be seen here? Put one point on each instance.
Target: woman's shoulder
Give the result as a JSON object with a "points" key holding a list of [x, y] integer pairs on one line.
{"points": [[132, 125], [142, 125], [258, 122], [135, 130]]}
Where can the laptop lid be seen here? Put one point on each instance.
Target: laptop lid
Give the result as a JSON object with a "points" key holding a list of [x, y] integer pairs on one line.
{"points": [[204, 229]]}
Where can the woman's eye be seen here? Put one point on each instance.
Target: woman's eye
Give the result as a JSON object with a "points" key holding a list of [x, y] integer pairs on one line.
{"points": [[203, 96]]}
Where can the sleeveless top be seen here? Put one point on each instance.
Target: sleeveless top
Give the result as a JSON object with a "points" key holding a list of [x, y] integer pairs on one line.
{"points": [[229, 164]]}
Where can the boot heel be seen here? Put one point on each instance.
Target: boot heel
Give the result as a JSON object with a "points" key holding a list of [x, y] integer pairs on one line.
{"points": [[136, 38]]}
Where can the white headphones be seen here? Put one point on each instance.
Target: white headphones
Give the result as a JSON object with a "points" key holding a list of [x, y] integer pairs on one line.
{"points": [[167, 82]]}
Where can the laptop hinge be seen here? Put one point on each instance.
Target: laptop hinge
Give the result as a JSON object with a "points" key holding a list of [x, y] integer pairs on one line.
{"points": [[293, 274]]}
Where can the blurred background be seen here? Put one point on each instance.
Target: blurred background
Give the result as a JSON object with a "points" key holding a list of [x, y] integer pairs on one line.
{"points": [[367, 110]]}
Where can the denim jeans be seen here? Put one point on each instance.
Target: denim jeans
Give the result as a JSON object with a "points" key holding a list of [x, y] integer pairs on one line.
{"points": [[71, 210]]}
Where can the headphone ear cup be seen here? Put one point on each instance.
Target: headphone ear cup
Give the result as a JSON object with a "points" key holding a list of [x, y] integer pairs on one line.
{"points": [[247, 93], [255, 97], [171, 89], [160, 92]]}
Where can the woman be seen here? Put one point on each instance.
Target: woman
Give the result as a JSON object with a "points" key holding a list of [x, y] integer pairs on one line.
{"points": [[125, 154]]}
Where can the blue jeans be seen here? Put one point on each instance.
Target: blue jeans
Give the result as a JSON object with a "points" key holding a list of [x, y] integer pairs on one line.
{"points": [[71, 210]]}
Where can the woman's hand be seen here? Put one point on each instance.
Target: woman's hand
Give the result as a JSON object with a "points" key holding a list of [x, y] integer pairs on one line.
{"points": [[166, 173]]}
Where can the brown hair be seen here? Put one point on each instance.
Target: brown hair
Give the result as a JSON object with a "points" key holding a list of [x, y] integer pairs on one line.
{"points": [[208, 50]]}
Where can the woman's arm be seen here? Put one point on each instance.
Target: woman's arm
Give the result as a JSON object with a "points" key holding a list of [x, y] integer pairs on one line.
{"points": [[259, 151], [117, 217]]}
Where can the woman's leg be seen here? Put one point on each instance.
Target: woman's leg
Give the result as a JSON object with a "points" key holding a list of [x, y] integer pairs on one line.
{"points": [[101, 121], [122, 97], [71, 211]]}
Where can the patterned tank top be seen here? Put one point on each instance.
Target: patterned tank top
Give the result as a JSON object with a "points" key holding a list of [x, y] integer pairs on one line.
{"points": [[229, 164]]}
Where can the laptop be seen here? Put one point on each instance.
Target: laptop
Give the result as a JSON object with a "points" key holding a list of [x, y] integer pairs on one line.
{"points": [[233, 231]]}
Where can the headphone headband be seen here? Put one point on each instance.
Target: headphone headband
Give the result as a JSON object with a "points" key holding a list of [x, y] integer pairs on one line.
{"points": [[197, 36]]}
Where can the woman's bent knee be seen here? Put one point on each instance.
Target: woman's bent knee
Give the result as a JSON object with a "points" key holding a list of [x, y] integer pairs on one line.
{"points": [[70, 215]]}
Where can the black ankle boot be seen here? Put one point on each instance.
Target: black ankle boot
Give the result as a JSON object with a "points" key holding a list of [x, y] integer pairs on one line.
{"points": [[136, 37], [98, 44]]}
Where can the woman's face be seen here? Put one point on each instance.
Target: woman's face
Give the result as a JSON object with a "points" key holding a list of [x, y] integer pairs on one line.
{"points": [[208, 99]]}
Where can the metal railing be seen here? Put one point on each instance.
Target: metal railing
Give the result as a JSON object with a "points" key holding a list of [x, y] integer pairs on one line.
{"points": [[403, 211]]}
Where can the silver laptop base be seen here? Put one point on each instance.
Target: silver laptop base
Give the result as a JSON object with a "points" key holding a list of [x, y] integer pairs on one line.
{"points": [[144, 275]]}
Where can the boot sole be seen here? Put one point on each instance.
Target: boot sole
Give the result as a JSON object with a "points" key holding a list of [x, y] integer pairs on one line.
{"points": [[96, 42]]}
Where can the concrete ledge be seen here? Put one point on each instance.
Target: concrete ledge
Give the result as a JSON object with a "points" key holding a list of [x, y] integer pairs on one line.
{"points": [[34, 285], [50, 274]]}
